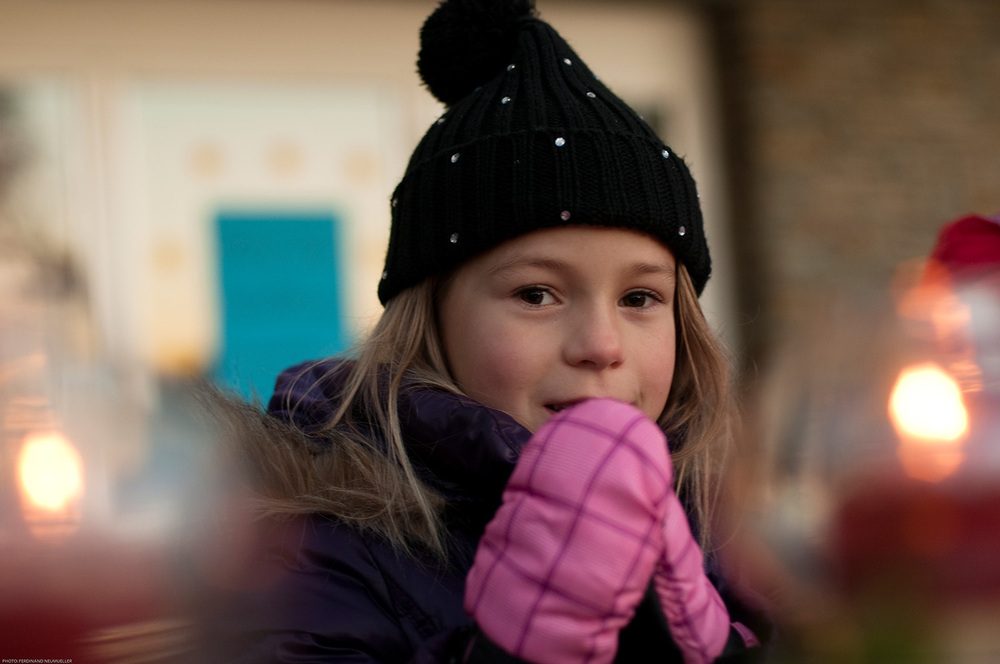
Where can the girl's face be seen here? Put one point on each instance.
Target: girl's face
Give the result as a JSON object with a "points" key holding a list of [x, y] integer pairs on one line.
{"points": [[560, 315]]}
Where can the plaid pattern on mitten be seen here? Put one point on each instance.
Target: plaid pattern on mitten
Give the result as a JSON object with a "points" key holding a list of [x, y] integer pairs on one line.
{"points": [[569, 554]]}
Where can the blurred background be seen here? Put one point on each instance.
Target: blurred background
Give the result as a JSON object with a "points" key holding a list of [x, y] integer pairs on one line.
{"points": [[199, 188]]}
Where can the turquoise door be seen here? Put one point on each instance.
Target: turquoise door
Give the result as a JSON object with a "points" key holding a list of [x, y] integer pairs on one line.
{"points": [[280, 292]]}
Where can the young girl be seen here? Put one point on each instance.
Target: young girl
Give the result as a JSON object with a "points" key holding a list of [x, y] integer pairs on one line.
{"points": [[490, 478]]}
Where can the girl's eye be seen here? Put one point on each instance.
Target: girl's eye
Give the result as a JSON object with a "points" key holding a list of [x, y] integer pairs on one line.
{"points": [[535, 296], [639, 299]]}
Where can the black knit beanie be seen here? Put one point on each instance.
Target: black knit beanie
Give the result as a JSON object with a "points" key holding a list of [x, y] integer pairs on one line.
{"points": [[530, 139]]}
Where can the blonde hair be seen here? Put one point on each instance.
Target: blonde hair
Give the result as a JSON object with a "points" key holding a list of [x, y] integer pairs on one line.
{"points": [[406, 343], [341, 471], [700, 415]]}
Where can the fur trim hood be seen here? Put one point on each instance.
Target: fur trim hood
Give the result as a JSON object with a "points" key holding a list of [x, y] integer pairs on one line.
{"points": [[462, 451]]}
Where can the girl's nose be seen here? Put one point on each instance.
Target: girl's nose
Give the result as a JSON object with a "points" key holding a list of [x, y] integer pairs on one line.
{"points": [[594, 341]]}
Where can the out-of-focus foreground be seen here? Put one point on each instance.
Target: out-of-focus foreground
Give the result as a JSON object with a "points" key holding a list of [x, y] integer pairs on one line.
{"points": [[196, 189]]}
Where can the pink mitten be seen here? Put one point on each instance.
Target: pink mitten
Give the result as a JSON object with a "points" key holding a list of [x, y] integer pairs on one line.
{"points": [[570, 553]]}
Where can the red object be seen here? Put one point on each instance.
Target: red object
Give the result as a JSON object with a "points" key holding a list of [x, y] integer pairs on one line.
{"points": [[939, 541], [968, 246]]}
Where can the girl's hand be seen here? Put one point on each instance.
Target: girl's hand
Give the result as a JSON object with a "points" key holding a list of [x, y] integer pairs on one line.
{"points": [[569, 554]]}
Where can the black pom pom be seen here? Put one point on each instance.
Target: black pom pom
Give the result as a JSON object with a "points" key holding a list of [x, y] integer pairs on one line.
{"points": [[465, 43]]}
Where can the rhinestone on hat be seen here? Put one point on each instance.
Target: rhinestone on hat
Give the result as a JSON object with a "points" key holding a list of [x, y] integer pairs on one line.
{"points": [[440, 120], [454, 238], [511, 67], [455, 157], [682, 231], [505, 100], [560, 142], [385, 275], [592, 95], [565, 215], [395, 202], [567, 61], [666, 154]]}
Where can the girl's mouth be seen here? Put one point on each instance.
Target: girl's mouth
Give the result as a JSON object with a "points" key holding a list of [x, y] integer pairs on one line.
{"points": [[558, 407], [563, 405]]}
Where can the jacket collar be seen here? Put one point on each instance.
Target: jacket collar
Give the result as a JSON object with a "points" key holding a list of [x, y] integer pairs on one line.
{"points": [[469, 450], [461, 448]]}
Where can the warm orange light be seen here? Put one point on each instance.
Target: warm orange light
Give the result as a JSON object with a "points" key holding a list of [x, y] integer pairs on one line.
{"points": [[51, 471], [926, 408], [927, 403]]}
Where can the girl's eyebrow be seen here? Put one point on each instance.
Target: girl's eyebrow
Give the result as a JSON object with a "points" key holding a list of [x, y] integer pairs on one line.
{"points": [[646, 268], [520, 262], [655, 269]]}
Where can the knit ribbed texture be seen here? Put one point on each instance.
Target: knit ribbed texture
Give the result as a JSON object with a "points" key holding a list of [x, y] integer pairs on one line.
{"points": [[541, 144]]}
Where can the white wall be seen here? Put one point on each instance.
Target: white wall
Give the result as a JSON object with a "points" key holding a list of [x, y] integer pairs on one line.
{"points": [[140, 96]]}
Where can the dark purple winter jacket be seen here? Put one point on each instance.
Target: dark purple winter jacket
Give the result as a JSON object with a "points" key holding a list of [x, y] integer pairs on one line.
{"points": [[348, 597]]}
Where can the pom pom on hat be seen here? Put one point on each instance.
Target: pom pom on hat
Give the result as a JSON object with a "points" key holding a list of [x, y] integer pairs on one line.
{"points": [[465, 43]]}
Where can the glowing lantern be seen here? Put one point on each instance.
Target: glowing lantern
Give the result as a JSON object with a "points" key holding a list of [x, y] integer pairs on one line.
{"points": [[927, 410], [51, 472]]}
